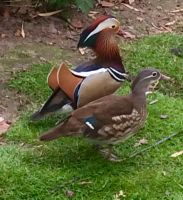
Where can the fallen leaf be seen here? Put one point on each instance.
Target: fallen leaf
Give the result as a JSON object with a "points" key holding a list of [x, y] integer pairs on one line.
{"points": [[131, 7], [2, 142], [163, 116], [3, 35], [69, 193], [22, 31], [82, 51], [43, 59], [174, 155], [140, 19], [167, 193], [48, 14], [22, 144], [85, 182], [176, 11], [126, 34], [164, 173], [106, 4], [170, 23], [131, 1], [118, 195], [159, 8], [4, 126], [141, 142], [18, 33], [77, 23], [93, 14]]}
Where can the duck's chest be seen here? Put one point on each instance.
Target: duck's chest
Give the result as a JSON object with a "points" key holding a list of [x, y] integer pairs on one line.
{"points": [[96, 86], [123, 126]]}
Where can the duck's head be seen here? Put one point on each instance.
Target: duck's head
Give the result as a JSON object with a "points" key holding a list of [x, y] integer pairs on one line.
{"points": [[101, 28], [147, 80]]}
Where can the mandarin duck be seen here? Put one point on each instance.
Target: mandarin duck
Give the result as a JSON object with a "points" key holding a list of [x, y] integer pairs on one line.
{"points": [[110, 119], [91, 80]]}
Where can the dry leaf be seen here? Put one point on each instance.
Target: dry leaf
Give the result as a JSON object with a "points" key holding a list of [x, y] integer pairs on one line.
{"points": [[159, 28], [3, 35], [82, 51], [4, 126], [140, 19], [77, 23], [106, 4], [176, 11], [2, 142], [49, 13], [18, 33], [171, 23], [69, 193], [178, 153], [22, 31], [85, 182], [129, 35], [131, 7], [126, 34], [93, 14], [164, 173], [141, 142], [131, 1], [118, 195], [159, 8], [163, 116]]}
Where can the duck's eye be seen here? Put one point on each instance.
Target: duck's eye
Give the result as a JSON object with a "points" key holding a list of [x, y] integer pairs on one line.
{"points": [[154, 74], [113, 26]]}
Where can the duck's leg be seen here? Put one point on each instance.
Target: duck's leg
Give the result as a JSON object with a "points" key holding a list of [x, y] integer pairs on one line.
{"points": [[112, 155], [107, 152]]}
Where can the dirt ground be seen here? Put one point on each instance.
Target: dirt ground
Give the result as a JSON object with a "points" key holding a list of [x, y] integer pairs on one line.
{"points": [[52, 39]]}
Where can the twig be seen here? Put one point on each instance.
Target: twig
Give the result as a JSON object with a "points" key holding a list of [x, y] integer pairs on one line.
{"points": [[48, 14], [176, 11], [154, 145], [131, 7], [1, 106], [156, 26]]}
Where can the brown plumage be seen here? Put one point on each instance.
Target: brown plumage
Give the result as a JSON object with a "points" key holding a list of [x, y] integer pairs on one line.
{"points": [[111, 119]]}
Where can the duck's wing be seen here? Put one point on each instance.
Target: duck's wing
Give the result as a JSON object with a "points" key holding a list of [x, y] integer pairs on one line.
{"points": [[92, 118]]}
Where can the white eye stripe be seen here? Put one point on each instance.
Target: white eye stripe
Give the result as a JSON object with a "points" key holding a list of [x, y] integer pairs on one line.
{"points": [[103, 25], [150, 76]]}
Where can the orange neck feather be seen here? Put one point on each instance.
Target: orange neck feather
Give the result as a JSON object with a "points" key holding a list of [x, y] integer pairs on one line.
{"points": [[107, 50]]}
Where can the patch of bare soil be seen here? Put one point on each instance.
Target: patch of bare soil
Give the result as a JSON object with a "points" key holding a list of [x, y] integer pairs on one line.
{"points": [[27, 40]]}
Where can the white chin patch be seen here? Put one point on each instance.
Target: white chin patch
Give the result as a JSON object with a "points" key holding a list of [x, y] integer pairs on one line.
{"points": [[67, 108]]}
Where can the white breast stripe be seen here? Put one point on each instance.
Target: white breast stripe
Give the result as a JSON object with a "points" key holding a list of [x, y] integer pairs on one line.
{"points": [[115, 77], [123, 74], [85, 74]]}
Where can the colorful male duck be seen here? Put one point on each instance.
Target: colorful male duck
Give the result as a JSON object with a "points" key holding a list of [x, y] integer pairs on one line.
{"points": [[110, 119], [91, 80]]}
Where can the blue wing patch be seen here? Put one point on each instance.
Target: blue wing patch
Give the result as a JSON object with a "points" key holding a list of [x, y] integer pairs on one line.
{"points": [[90, 122]]}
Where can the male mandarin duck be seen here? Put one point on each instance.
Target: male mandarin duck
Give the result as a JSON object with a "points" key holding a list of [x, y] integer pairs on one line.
{"points": [[91, 80], [110, 119]]}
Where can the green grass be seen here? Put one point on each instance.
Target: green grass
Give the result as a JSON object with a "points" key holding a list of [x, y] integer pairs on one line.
{"points": [[45, 171]]}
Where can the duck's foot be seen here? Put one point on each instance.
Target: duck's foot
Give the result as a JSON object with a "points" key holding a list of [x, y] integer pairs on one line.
{"points": [[108, 153]]}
